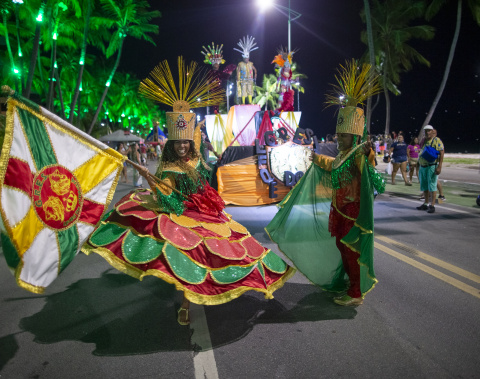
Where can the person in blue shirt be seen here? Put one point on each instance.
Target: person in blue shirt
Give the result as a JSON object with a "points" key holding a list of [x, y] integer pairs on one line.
{"points": [[398, 153]]}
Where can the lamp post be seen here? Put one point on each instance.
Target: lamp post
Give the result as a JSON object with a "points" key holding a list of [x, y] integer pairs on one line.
{"points": [[297, 84], [291, 14]]}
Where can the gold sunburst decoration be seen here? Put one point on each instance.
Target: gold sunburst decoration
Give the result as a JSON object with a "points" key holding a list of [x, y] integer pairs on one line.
{"points": [[194, 90], [355, 84]]}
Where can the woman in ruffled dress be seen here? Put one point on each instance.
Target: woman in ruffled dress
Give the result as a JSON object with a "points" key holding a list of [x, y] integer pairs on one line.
{"points": [[179, 231]]}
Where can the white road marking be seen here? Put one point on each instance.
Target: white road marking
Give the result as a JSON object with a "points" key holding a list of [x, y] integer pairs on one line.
{"points": [[418, 202], [203, 361]]}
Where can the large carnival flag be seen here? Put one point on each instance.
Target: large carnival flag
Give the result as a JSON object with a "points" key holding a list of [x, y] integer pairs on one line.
{"points": [[56, 183]]}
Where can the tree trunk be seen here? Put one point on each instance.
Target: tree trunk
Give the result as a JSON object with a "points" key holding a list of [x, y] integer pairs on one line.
{"points": [[447, 69], [117, 62], [371, 54], [53, 58], [20, 55], [40, 70], [82, 57], [9, 49], [60, 94], [387, 111], [33, 61]]}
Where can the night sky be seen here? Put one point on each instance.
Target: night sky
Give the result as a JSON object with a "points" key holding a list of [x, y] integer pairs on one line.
{"points": [[327, 33]]}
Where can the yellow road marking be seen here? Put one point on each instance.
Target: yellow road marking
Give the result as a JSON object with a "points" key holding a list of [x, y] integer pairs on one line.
{"points": [[435, 273], [447, 266]]}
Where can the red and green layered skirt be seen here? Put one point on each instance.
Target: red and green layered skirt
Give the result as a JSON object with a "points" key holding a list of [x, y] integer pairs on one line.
{"points": [[210, 257]]}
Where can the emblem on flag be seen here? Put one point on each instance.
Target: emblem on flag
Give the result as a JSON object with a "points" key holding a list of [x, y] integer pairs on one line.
{"points": [[56, 183]]}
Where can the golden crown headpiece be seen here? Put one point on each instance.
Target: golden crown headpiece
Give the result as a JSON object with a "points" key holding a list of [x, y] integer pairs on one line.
{"points": [[355, 84], [194, 91]]}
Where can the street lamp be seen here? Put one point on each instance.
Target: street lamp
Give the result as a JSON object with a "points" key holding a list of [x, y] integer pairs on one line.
{"points": [[291, 14]]}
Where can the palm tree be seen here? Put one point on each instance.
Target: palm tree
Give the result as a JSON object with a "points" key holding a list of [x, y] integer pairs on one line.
{"points": [[267, 94], [127, 18], [371, 54], [432, 9], [36, 44], [6, 9], [391, 32], [81, 63]]}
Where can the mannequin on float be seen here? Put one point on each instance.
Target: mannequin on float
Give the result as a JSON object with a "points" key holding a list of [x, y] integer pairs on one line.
{"points": [[246, 71]]}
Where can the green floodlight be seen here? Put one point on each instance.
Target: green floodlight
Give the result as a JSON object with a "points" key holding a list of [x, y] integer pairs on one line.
{"points": [[54, 36], [55, 64], [81, 63], [106, 112], [80, 89], [123, 114], [107, 84], [129, 117], [20, 52], [17, 1], [16, 70]]}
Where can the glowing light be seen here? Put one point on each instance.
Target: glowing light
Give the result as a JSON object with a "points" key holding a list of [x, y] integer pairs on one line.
{"points": [[55, 64], [123, 114], [17, 1], [81, 63], [39, 17], [54, 36], [80, 89], [264, 4], [106, 112], [107, 84], [16, 70]]}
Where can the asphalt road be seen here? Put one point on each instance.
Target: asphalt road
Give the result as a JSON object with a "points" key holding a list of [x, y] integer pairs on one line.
{"points": [[420, 321]]}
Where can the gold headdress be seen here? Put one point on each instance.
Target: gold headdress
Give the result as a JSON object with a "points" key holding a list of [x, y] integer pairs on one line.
{"points": [[194, 91], [354, 86]]}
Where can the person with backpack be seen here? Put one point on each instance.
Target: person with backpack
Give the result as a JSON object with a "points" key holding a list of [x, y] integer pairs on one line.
{"points": [[430, 160]]}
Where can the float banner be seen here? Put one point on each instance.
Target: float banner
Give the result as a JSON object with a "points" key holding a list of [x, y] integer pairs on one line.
{"points": [[56, 183]]}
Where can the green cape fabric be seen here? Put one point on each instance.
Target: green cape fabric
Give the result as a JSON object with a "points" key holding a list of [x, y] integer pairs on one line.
{"points": [[300, 228]]}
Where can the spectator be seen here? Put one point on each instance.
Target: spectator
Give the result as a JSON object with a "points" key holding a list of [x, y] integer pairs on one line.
{"points": [[412, 153], [143, 154], [398, 152], [124, 151], [430, 168]]}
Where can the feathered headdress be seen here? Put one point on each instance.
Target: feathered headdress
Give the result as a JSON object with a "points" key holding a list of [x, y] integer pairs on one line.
{"points": [[247, 45], [194, 91], [283, 55], [354, 86], [213, 54]]}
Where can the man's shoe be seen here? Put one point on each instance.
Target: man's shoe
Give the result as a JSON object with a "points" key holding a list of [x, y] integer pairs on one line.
{"points": [[442, 198], [423, 207], [431, 209], [349, 301], [408, 183]]}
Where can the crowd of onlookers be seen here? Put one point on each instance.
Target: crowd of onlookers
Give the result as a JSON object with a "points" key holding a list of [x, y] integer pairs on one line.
{"points": [[410, 159]]}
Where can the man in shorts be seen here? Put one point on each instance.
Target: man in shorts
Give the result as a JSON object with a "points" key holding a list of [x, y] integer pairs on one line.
{"points": [[429, 170]]}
